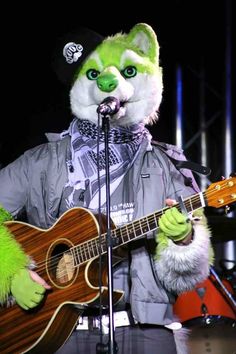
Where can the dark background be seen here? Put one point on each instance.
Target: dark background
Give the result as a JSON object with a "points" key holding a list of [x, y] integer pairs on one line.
{"points": [[192, 34]]}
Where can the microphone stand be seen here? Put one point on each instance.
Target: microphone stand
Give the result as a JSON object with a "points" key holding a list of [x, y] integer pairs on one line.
{"points": [[111, 348]]}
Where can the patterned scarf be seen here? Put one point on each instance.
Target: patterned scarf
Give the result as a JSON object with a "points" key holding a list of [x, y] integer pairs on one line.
{"points": [[124, 144]]}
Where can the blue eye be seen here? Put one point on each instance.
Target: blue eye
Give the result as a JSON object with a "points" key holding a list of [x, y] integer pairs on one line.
{"points": [[129, 71], [92, 74]]}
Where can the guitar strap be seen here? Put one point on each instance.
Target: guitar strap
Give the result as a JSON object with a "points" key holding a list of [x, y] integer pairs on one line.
{"points": [[193, 166], [179, 164]]}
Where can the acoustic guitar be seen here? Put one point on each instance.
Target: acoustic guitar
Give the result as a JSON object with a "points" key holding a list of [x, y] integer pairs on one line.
{"points": [[67, 257]]}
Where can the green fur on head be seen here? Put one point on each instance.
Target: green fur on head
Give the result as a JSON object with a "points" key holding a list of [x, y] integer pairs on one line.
{"points": [[12, 256], [141, 39]]}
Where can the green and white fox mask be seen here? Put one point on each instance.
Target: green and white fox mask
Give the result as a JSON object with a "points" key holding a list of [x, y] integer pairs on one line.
{"points": [[125, 66]]}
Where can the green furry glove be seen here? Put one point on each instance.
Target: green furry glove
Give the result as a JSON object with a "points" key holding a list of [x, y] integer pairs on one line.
{"points": [[27, 292], [4, 215], [12, 256], [174, 225]]}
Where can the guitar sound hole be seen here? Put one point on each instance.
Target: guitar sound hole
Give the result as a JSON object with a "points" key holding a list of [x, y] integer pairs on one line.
{"points": [[61, 264]]}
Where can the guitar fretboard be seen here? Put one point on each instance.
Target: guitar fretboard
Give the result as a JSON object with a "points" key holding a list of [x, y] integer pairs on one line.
{"points": [[132, 231]]}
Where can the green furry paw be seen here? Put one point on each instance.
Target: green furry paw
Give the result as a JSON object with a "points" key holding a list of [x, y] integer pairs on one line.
{"points": [[174, 225], [12, 257], [4, 215], [162, 243], [26, 292]]}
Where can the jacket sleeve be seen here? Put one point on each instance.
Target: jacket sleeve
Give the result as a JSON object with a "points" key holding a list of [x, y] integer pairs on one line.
{"points": [[14, 184]]}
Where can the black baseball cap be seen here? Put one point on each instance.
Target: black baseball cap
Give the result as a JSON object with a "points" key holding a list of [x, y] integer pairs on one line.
{"points": [[71, 50]]}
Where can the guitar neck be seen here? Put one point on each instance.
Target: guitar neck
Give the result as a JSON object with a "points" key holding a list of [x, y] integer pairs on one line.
{"points": [[149, 223], [130, 232]]}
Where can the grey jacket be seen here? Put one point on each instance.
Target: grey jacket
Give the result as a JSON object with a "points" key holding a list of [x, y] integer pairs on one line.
{"points": [[35, 181]]}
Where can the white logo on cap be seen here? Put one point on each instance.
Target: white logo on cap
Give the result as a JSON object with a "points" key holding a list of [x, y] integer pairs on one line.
{"points": [[72, 52]]}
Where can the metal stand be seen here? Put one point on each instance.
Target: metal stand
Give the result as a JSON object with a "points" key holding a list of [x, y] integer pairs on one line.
{"points": [[111, 347]]}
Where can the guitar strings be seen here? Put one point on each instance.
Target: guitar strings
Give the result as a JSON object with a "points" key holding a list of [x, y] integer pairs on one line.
{"points": [[141, 222], [85, 249]]}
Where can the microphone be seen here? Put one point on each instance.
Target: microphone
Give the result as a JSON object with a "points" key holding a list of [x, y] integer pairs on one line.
{"points": [[110, 105]]}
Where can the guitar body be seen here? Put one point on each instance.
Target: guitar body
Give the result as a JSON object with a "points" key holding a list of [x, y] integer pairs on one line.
{"points": [[45, 328]]}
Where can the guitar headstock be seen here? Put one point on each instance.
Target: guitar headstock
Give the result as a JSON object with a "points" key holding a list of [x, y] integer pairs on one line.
{"points": [[221, 193]]}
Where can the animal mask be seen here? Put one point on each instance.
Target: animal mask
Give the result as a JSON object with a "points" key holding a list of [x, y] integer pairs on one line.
{"points": [[125, 66]]}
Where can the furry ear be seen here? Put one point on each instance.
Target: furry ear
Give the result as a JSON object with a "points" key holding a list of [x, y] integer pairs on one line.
{"points": [[143, 37]]}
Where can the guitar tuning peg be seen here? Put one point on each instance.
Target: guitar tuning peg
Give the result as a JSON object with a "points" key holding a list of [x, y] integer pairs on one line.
{"points": [[227, 209], [223, 178]]}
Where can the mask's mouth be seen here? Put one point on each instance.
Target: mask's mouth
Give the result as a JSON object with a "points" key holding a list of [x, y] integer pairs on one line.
{"points": [[123, 105]]}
